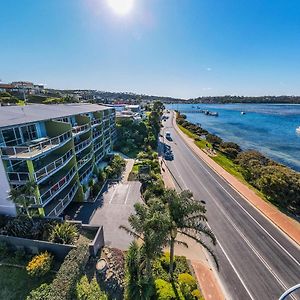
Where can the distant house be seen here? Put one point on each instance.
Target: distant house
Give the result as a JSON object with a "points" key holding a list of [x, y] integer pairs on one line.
{"points": [[22, 87]]}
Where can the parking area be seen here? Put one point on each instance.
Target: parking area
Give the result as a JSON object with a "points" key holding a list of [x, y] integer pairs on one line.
{"points": [[111, 210]]}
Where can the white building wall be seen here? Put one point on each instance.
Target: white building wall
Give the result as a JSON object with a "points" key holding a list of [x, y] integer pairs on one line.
{"points": [[6, 206]]}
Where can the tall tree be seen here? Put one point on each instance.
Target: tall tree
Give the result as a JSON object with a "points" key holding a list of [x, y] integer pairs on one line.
{"points": [[149, 224], [187, 217]]}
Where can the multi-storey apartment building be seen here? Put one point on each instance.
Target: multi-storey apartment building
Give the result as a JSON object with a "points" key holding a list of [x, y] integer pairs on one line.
{"points": [[56, 146]]}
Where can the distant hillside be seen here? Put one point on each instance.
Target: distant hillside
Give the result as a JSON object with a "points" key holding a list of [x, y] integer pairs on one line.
{"points": [[242, 99]]}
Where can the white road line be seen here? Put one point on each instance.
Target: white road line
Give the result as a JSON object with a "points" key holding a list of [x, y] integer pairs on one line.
{"points": [[127, 194], [264, 262], [232, 197], [233, 267], [112, 196]]}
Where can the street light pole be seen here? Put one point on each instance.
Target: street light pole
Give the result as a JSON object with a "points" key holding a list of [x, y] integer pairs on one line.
{"points": [[289, 292]]}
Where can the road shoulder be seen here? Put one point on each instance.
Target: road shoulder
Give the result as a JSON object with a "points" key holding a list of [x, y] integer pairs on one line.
{"points": [[286, 224]]}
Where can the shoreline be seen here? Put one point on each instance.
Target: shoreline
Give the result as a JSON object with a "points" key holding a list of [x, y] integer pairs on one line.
{"points": [[283, 221], [259, 130]]}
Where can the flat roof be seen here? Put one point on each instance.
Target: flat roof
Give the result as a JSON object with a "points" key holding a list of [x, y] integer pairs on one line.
{"points": [[15, 115]]}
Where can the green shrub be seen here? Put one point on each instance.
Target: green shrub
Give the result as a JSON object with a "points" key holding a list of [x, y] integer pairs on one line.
{"points": [[40, 264], [165, 290], [40, 293], [4, 250], [64, 284], [187, 279], [86, 290], [197, 295], [64, 233]]}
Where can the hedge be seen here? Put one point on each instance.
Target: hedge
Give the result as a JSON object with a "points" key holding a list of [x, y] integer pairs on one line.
{"points": [[70, 272]]}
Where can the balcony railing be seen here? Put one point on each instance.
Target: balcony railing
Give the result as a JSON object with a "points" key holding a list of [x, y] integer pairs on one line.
{"points": [[52, 167], [35, 149], [96, 122], [84, 160], [83, 145], [86, 173], [97, 146], [99, 158], [56, 188], [20, 177], [80, 129], [97, 134], [59, 208]]}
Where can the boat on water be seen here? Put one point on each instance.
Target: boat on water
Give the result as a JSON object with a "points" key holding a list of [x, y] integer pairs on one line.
{"points": [[243, 113], [298, 129]]}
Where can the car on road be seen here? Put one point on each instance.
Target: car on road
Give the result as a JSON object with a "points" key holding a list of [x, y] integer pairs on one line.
{"points": [[168, 136], [167, 147], [169, 156]]}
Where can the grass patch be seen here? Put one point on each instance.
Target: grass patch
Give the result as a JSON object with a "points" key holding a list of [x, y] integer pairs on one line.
{"points": [[16, 284]]}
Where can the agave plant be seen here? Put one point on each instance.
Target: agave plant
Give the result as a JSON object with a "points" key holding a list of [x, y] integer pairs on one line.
{"points": [[64, 233]]}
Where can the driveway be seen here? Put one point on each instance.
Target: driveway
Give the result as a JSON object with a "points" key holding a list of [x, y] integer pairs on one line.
{"points": [[110, 210]]}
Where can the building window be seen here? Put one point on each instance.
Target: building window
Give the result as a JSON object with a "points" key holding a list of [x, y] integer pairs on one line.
{"points": [[29, 133], [11, 136]]}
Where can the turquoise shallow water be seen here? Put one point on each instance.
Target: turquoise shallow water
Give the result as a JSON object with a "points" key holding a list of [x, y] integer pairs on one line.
{"points": [[268, 128]]}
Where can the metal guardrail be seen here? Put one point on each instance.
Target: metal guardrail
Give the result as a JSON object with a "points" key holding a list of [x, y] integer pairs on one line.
{"points": [[84, 160], [56, 188], [83, 145], [36, 149], [52, 167], [59, 208], [80, 129]]}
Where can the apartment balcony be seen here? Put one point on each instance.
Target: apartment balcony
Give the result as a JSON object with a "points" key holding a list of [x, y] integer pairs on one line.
{"points": [[57, 206], [84, 160], [99, 158], [35, 147], [83, 145], [86, 174], [18, 177], [77, 130], [97, 134], [96, 122], [53, 167], [56, 188], [98, 146]]}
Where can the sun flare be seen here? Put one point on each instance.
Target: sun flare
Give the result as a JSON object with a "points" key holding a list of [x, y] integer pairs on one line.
{"points": [[121, 7]]}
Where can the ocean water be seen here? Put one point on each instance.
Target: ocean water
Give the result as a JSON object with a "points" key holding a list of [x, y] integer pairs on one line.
{"points": [[268, 128]]}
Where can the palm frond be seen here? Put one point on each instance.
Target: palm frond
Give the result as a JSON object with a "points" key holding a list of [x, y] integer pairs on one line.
{"points": [[209, 250], [131, 232]]}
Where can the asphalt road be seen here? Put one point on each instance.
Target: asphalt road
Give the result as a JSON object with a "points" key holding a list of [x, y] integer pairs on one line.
{"points": [[257, 261]]}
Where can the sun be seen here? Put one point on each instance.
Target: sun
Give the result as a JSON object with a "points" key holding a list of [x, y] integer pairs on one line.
{"points": [[121, 7]]}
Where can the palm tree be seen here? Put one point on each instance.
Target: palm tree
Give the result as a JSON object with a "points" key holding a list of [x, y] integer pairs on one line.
{"points": [[187, 217], [23, 196], [149, 224]]}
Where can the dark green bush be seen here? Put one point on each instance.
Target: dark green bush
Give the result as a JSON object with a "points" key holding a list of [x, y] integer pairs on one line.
{"points": [[64, 233], [64, 285]]}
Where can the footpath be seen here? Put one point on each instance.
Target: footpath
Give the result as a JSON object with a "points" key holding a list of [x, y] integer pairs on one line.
{"points": [[206, 278], [288, 225]]}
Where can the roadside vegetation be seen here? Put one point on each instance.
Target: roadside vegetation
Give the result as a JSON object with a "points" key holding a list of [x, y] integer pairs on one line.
{"points": [[274, 182], [159, 223]]}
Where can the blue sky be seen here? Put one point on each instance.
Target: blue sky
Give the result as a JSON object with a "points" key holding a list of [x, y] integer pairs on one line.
{"points": [[180, 48]]}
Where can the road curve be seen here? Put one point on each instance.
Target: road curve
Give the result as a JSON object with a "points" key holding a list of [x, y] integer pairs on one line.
{"points": [[257, 261]]}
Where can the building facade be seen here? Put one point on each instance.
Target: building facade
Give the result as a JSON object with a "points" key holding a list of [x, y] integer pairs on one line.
{"points": [[59, 147]]}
